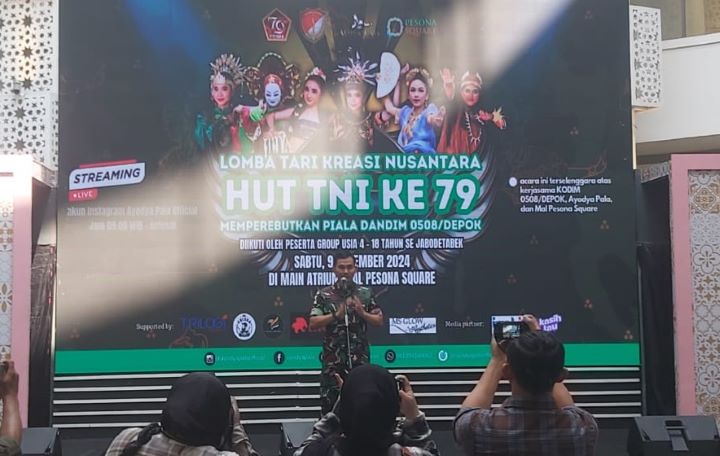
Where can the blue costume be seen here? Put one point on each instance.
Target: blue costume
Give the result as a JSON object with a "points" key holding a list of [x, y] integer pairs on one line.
{"points": [[417, 135]]}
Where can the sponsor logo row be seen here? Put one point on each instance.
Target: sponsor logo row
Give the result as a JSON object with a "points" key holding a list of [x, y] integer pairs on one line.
{"points": [[244, 325], [314, 22]]}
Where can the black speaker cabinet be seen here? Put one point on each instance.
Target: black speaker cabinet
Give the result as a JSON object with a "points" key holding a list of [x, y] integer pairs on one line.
{"points": [[41, 442], [673, 435], [292, 435]]}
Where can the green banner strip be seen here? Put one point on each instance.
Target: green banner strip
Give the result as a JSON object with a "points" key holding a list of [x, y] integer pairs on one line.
{"points": [[290, 358]]}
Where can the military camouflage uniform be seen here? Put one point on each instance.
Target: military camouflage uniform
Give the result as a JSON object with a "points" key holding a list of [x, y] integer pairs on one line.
{"points": [[335, 352]]}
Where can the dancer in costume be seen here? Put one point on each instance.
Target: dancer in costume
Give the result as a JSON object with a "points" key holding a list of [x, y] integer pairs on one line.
{"points": [[354, 126], [419, 119], [226, 128], [274, 81], [464, 129], [305, 118]]}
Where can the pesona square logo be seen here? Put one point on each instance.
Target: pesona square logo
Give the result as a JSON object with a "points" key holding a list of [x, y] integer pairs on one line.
{"points": [[86, 179]]}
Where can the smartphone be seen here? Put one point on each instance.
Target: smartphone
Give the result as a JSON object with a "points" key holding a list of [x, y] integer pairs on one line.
{"points": [[399, 383], [508, 327]]}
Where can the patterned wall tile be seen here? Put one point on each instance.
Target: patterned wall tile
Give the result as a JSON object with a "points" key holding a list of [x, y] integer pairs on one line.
{"points": [[6, 251], [704, 200], [645, 57], [29, 79]]}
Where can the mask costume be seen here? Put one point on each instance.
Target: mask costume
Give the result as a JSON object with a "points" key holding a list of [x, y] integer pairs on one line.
{"points": [[275, 82]]}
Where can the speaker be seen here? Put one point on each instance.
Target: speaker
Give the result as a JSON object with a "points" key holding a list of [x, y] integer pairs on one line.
{"points": [[41, 442], [292, 435], [673, 435]]}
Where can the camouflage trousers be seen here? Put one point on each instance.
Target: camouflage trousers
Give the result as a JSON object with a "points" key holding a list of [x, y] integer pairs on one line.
{"points": [[329, 389]]}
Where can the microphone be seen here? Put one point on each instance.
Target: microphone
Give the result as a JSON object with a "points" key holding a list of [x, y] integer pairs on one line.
{"points": [[346, 289]]}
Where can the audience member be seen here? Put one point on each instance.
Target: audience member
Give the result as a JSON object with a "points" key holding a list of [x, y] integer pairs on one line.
{"points": [[363, 421], [539, 418], [199, 419], [11, 428]]}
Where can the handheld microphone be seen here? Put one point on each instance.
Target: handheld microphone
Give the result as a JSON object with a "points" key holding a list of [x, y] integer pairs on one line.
{"points": [[345, 287]]}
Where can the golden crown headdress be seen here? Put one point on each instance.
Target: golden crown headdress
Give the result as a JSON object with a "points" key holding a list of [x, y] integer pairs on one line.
{"points": [[228, 65], [471, 79], [357, 71], [418, 72]]}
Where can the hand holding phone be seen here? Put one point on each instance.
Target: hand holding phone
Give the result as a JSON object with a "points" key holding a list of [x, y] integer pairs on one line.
{"points": [[509, 330], [408, 404]]}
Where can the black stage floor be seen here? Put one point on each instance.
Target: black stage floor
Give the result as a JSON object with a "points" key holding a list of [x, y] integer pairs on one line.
{"points": [[266, 440]]}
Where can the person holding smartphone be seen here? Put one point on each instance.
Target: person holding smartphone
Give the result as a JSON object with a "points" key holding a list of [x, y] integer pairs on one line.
{"points": [[199, 418], [540, 417], [11, 428], [363, 420]]}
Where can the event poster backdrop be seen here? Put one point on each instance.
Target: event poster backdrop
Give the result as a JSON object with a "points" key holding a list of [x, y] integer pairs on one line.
{"points": [[475, 156]]}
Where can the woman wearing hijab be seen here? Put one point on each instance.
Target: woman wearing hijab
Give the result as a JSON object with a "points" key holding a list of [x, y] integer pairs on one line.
{"points": [[199, 419], [363, 422]]}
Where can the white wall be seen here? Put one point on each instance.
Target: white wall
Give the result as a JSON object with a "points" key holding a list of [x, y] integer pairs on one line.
{"points": [[690, 96]]}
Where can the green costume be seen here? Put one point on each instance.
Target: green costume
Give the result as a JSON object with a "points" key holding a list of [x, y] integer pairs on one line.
{"points": [[335, 343], [226, 130]]}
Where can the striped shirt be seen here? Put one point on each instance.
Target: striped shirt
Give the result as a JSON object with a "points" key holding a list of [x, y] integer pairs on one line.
{"points": [[527, 427]]}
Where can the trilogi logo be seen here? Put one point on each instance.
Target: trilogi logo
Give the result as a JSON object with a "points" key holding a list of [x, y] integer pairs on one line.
{"points": [[244, 326], [423, 325], [273, 326], [204, 323]]}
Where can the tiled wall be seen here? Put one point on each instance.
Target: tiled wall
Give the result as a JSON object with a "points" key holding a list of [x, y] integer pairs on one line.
{"points": [[6, 239], [704, 195]]}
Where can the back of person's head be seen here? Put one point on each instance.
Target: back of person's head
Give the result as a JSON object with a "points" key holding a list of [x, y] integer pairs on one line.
{"points": [[197, 411], [369, 406], [537, 361]]}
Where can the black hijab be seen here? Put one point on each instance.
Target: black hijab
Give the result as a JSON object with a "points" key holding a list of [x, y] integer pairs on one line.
{"points": [[197, 411], [369, 406]]}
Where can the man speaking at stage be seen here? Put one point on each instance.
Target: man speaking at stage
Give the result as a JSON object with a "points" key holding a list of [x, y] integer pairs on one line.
{"points": [[344, 310]]}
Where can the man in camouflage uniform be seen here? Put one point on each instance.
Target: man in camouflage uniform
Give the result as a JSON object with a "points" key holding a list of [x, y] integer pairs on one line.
{"points": [[329, 310]]}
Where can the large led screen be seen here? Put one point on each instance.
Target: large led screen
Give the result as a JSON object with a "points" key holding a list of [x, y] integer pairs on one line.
{"points": [[475, 157]]}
